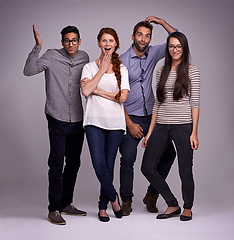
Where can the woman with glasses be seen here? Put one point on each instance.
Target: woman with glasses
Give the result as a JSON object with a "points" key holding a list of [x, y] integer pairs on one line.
{"points": [[175, 117], [105, 86]]}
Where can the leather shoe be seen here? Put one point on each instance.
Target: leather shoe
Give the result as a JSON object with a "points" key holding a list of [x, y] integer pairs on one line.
{"points": [[169, 215], [126, 206], [103, 218], [186, 218], [150, 202], [72, 210], [56, 218]]}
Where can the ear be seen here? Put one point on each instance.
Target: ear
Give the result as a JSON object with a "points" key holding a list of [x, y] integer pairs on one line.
{"points": [[79, 42], [133, 37], [62, 43]]}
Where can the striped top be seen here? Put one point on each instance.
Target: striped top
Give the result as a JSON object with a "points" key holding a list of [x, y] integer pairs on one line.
{"points": [[180, 111]]}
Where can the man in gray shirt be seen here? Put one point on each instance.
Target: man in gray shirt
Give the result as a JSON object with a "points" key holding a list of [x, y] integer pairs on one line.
{"points": [[64, 114]]}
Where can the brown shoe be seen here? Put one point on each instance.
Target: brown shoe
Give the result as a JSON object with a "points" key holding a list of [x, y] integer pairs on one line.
{"points": [[71, 210], [126, 206], [150, 202], [56, 218]]}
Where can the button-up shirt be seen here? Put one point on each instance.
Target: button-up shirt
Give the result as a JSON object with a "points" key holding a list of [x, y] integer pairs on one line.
{"points": [[62, 75], [140, 100]]}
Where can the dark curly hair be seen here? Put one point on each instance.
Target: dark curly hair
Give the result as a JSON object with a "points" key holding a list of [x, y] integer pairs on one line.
{"points": [[69, 29]]}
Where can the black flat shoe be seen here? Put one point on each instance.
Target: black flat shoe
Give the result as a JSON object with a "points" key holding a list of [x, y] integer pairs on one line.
{"points": [[103, 219], [186, 218], [169, 215], [118, 214]]}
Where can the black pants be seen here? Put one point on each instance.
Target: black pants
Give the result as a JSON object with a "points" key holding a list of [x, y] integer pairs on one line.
{"points": [[66, 140], [161, 136], [128, 151]]}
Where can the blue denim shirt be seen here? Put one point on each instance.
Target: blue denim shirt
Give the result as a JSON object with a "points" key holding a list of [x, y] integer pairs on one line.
{"points": [[141, 98]]}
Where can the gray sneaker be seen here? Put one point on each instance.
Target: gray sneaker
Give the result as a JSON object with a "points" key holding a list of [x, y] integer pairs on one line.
{"points": [[71, 210], [56, 218]]}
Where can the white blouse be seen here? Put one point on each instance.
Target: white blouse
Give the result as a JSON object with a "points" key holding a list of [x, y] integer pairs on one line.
{"points": [[102, 112]]}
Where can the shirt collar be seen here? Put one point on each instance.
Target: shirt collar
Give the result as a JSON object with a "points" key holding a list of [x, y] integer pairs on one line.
{"points": [[133, 54], [64, 53]]}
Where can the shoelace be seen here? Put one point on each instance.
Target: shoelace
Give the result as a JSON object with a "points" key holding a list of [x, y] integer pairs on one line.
{"points": [[57, 213]]}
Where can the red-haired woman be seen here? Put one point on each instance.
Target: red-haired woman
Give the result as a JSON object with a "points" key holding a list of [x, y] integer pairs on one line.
{"points": [[105, 85]]}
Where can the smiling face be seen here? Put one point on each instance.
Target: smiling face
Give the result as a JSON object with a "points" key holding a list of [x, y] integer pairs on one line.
{"points": [[141, 39], [71, 43], [175, 49]]}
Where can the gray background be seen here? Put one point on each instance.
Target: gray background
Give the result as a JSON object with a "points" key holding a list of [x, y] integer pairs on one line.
{"points": [[208, 24]]}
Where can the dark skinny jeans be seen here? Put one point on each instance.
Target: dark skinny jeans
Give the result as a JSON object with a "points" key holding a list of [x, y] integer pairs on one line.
{"points": [[161, 136], [128, 151], [103, 146]]}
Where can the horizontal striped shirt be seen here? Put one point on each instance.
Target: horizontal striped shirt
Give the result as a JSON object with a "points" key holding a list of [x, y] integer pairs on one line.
{"points": [[178, 111]]}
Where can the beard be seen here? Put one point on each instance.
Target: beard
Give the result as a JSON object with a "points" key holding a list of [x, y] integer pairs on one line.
{"points": [[138, 47]]}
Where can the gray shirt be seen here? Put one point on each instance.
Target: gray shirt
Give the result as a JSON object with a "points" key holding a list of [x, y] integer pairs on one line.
{"points": [[62, 79]]}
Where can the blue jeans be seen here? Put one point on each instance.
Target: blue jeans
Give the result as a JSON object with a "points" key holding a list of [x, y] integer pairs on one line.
{"points": [[128, 151], [103, 146], [66, 140], [157, 143]]}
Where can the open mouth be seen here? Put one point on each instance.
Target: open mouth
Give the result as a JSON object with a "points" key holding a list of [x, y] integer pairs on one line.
{"points": [[107, 49]]}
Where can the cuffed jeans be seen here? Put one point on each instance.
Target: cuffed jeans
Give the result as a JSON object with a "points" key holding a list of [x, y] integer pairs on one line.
{"points": [[161, 136], [66, 140], [128, 151], [103, 146]]}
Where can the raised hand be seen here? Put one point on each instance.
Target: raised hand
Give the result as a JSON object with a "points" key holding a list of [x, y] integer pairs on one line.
{"points": [[37, 37], [154, 19], [163, 23]]}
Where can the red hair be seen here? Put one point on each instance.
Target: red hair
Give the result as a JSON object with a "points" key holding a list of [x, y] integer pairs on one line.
{"points": [[115, 57]]}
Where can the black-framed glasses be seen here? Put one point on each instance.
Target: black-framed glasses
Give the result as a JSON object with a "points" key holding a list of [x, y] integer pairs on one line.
{"points": [[67, 42], [178, 48]]}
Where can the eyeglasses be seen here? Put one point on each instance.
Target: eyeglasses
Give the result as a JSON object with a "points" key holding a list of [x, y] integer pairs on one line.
{"points": [[178, 48], [67, 42]]}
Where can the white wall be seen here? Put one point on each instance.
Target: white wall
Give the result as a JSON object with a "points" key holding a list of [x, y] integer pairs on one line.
{"points": [[23, 129]]}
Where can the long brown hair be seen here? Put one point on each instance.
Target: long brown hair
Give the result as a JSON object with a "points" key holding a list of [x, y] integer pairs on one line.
{"points": [[115, 57], [182, 82]]}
